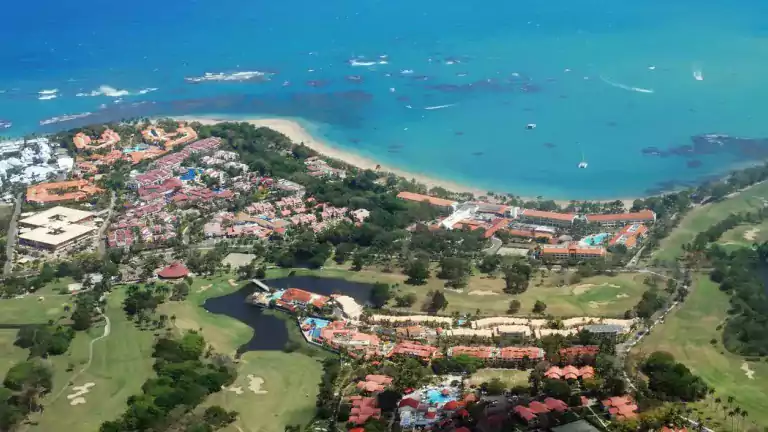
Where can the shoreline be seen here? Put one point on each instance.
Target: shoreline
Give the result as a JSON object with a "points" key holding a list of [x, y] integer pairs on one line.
{"points": [[299, 134]]}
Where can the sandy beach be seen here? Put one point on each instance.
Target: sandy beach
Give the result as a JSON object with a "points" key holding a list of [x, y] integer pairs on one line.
{"points": [[299, 134]]}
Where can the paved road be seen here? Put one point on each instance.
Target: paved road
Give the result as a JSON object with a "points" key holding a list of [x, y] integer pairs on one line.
{"points": [[102, 248], [495, 246], [12, 232]]}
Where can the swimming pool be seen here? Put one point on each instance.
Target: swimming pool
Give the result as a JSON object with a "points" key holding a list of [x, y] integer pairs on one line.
{"points": [[437, 397], [315, 325], [594, 239]]}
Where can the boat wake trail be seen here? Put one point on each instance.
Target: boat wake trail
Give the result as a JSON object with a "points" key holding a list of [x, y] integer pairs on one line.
{"points": [[625, 87]]}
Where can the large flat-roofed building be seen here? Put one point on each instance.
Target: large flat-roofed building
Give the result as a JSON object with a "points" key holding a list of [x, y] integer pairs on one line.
{"points": [[57, 214], [547, 218], [56, 230], [567, 251], [614, 220]]}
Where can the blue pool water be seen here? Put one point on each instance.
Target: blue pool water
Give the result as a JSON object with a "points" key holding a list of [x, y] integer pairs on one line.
{"points": [[317, 324], [436, 397], [442, 88], [595, 239]]}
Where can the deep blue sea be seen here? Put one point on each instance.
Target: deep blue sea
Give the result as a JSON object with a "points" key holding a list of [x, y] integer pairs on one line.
{"points": [[623, 85]]}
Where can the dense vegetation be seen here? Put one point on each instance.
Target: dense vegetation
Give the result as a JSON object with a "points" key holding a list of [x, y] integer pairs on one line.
{"points": [[669, 380], [186, 375]]}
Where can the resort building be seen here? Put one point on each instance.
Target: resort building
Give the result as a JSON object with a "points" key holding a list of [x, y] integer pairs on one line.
{"points": [[530, 414], [363, 408], [108, 139], [547, 218], [607, 331], [303, 299], [56, 230], [579, 354], [374, 383], [630, 235], [499, 355], [571, 251], [437, 202], [415, 349], [620, 407], [614, 220], [65, 191], [183, 135], [412, 319], [570, 372], [176, 270]]}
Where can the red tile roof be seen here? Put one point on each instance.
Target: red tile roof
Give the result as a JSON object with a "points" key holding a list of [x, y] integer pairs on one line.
{"points": [[555, 404], [174, 271], [525, 413], [296, 295], [548, 215], [409, 402], [410, 196], [538, 407], [644, 215]]}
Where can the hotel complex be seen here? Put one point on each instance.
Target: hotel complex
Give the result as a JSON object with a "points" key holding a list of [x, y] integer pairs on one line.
{"points": [[56, 230]]}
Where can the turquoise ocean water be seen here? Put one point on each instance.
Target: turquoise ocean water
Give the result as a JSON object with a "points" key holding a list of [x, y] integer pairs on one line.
{"points": [[625, 85]]}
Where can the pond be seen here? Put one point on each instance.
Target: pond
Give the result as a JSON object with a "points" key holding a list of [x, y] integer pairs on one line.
{"points": [[270, 333]]}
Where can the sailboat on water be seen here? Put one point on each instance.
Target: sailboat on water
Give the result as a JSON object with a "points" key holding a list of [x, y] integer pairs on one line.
{"points": [[583, 164]]}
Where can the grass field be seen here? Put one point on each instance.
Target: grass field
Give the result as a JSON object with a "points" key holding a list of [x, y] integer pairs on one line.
{"points": [[290, 379], [745, 235], [703, 217], [608, 296], [121, 363], [687, 334], [510, 377]]}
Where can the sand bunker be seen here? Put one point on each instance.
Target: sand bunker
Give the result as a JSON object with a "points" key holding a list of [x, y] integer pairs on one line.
{"points": [[751, 234], [620, 296], [597, 305], [747, 371], [254, 384], [235, 390], [204, 287], [232, 283], [482, 293], [77, 398]]}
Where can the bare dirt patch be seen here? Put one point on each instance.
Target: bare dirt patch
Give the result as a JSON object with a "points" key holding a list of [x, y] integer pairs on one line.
{"points": [[482, 293], [581, 289], [232, 283], [235, 390]]}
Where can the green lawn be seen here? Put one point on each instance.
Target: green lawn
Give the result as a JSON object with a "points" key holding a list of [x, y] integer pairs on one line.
{"points": [[703, 217], [121, 363], [290, 379], [510, 377], [608, 296], [687, 334], [745, 235]]}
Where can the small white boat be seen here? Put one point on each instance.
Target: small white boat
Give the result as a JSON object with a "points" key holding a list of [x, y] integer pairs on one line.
{"points": [[530, 126], [697, 75], [583, 164]]}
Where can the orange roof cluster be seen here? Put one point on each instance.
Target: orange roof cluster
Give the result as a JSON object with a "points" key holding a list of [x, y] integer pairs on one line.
{"points": [[533, 234], [538, 214], [535, 408], [621, 407], [363, 408], [570, 372], [496, 225], [577, 351], [629, 235], [641, 216], [374, 383], [296, 295], [439, 202], [108, 138], [72, 190], [414, 349], [487, 352], [572, 248]]}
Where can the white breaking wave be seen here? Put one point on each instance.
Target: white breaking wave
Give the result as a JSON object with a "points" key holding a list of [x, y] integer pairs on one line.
{"points": [[697, 75], [361, 63], [48, 92], [626, 87], [439, 106], [48, 97], [63, 118], [237, 76], [113, 92]]}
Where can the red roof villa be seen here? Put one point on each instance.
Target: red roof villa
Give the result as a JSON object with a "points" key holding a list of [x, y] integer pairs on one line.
{"points": [[176, 270]]}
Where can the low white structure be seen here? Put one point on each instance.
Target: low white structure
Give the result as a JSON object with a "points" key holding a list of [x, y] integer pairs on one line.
{"points": [[32, 160], [348, 307], [57, 229], [416, 319]]}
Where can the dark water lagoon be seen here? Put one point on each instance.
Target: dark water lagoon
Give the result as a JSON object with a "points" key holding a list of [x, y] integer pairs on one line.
{"points": [[270, 332]]}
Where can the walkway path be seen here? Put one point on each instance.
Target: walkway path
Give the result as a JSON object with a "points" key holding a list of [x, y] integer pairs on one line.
{"points": [[107, 329], [11, 240]]}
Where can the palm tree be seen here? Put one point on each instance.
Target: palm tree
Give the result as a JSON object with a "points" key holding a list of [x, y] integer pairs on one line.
{"points": [[732, 415], [737, 412]]}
